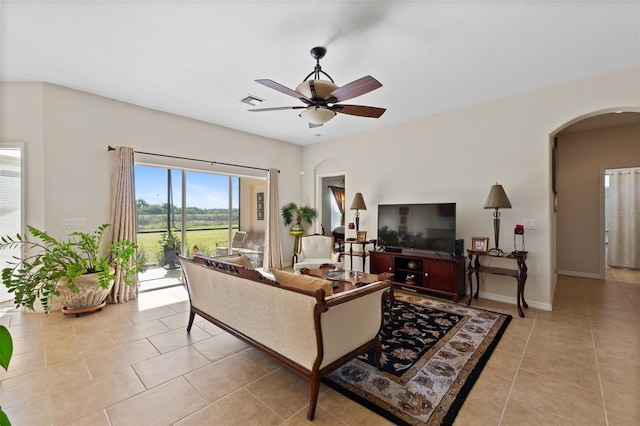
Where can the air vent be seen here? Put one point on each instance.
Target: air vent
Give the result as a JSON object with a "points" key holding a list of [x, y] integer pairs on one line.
{"points": [[251, 100]]}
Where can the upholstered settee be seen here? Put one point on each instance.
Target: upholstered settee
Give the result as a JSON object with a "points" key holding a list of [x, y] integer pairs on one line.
{"points": [[295, 319]]}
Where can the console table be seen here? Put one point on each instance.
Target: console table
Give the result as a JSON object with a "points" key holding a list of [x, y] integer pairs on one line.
{"points": [[520, 273]]}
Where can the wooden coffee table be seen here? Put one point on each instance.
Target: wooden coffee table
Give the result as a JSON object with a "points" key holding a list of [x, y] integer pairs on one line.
{"points": [[348, 280]]}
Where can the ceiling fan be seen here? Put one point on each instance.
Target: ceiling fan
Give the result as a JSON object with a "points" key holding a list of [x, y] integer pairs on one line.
{"points": [[321, 97]]}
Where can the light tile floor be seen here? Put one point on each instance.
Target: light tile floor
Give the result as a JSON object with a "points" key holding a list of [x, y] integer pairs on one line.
{"points": [[134, 364]]}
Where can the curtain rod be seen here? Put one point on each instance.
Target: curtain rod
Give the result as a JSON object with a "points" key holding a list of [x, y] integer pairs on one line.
{"points": [[110, 148]]}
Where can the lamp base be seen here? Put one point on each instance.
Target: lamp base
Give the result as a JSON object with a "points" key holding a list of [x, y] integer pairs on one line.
{"points": [[496, 252]]}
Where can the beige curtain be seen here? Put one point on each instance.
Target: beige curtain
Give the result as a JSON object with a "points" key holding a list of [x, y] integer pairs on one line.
{"points": [[623, 249], [338, 194], [123, 216], [272, 247]]}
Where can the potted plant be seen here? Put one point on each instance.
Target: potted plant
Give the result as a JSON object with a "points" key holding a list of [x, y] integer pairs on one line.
{"points": [[171, 245], [6, 351], [78, 270], [301, 214]]}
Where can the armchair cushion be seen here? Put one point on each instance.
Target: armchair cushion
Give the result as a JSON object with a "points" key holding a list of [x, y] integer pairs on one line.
{"points": [[306, 282]]}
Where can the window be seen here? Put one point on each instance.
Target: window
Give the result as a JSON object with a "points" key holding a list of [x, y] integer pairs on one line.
{"points": [[10, 203]]}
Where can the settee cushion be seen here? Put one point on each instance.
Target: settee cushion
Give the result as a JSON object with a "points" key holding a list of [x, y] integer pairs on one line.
{"points": [[306, 282]]}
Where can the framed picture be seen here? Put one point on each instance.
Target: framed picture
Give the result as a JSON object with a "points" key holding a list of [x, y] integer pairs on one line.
{"points": [[260, 205], [404, 211], [403, 220], [361, 236], [479, 243]]}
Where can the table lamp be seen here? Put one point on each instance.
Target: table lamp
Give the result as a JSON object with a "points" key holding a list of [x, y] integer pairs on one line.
{"points": [[497, 199], [358, 204]]}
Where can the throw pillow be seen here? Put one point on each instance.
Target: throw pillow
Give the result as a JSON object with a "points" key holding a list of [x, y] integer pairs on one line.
{"points": [[306, 282], [240, 260]]}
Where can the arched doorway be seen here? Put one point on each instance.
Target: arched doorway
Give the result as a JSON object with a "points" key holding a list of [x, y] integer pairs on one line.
{"points": [[582, 150]]}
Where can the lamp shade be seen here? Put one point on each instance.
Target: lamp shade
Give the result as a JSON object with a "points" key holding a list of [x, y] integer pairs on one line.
{"points": [[497, 198], [317, 114], [358, 202]]}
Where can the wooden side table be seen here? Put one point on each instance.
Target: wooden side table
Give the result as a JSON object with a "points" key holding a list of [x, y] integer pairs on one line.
{"points": [[363, 254], [520, 273]]}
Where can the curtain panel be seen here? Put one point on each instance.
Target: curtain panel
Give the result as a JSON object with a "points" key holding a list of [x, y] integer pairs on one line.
{"points": [[338, 194], [624, 219], [123, 217], [272, 249]]}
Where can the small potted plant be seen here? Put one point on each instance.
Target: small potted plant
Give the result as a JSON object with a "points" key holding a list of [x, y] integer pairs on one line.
{"points": [[171, 245], [78, 270], [301, 214]]}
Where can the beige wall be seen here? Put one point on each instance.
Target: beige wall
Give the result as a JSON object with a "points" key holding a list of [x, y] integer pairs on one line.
{"points": [[249, 189], [582, 158], [456, 156], [21, 121], [66, 134]]}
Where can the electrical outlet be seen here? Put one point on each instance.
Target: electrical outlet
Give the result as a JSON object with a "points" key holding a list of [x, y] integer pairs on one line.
{"points": [[529, 224], [74, 223]]}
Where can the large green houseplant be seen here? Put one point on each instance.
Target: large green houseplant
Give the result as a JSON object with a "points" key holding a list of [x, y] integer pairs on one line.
{"points": [[301, 214], [50, 265]]}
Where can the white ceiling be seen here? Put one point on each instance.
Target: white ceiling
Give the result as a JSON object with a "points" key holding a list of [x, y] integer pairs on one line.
{"points": [[199, 58]]}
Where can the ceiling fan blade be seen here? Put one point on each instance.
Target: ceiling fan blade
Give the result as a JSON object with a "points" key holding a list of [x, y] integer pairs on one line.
{"points": [[284, 89], [355, 88], [359, 110], [276, 108]]}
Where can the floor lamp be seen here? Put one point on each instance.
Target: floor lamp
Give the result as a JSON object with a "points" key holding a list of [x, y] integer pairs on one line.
{"points": [[497, 200]]}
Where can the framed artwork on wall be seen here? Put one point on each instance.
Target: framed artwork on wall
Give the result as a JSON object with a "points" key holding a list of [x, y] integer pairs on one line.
{"points": [[260, 205]]}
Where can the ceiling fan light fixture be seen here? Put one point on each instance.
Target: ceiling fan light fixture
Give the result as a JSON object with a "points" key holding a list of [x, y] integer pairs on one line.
{"points": [[316, 89], [317, 114]]}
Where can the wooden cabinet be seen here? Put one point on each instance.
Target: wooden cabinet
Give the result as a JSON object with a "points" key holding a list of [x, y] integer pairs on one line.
{"points": [[441, 275]]}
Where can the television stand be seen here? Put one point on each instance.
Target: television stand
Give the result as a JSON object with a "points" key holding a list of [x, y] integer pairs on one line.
{"points": [[428, 272]]}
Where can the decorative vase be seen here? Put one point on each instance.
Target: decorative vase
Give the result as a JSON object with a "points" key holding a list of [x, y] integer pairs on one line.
{"points": [[90, 295], [297, 231], [413, 264]]}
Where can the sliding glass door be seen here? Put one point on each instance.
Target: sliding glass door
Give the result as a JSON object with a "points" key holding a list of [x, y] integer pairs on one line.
{"points": [[210, 204]]}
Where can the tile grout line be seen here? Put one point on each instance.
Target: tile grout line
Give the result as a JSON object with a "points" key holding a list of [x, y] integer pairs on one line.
{"points": [[595, 352], [513, 382]]}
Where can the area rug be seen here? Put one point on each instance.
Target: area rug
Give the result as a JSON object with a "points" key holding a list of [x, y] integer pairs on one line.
{"points": [[433, 352]]}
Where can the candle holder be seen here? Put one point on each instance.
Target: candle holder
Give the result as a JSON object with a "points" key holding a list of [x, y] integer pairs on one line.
{"points": [[519, 230]]}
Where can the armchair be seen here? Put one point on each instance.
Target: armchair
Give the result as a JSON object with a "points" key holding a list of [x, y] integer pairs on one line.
{"points": [[236, 244], [315, 250]]}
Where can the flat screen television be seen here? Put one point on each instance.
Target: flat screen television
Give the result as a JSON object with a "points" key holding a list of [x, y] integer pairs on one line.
{"points": [[427, 227]]}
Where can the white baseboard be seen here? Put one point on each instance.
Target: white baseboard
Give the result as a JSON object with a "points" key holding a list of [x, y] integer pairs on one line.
{"points": [[579, 274], [514, 301]]}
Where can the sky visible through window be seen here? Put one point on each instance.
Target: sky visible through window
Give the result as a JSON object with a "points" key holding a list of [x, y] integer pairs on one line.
{"points": [[204, 190]]}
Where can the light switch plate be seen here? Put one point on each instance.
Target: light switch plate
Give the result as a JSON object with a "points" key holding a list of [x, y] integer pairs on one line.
{"points": [[74, 223], [529, 224]]}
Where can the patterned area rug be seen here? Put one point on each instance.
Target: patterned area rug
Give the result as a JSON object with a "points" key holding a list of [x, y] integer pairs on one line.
{"points": [[433, 352]]}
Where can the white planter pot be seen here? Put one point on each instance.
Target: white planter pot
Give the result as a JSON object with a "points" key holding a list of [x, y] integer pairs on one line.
{"points": [[90, 293]]}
